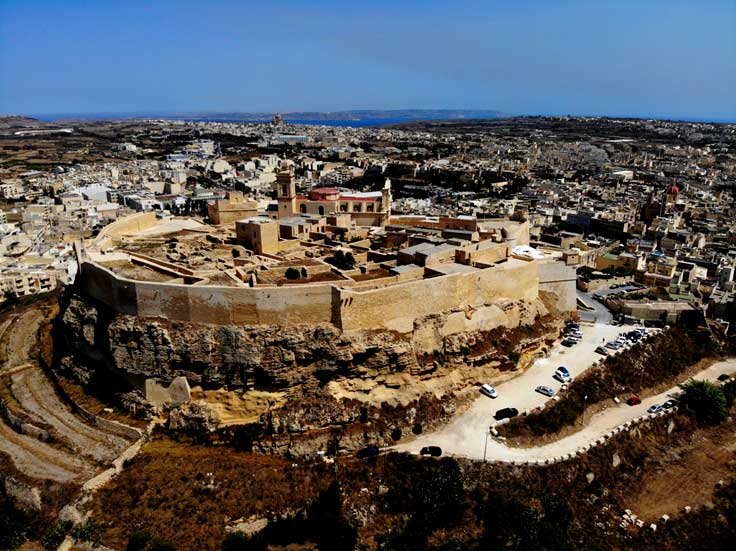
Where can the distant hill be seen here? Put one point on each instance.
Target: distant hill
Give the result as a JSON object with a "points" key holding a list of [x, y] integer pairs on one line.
{"points": [[355, 115], [376, 116], [19, 122]]}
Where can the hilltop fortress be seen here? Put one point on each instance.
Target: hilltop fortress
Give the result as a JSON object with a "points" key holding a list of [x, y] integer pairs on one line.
{"points": [[277, 306]]}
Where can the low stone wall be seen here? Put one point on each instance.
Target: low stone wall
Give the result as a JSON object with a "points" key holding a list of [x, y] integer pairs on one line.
{"points": [[600, 441], [598, 284], [19, 425]]}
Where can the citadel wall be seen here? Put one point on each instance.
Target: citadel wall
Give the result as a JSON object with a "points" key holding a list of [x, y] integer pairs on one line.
{"points": [[134, 223], [393, 307]]}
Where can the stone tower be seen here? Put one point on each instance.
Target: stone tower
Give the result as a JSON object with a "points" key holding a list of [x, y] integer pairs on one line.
{"points": [[286, 192]]}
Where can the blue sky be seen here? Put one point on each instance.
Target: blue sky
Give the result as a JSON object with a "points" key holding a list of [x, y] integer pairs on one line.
{"points": [[594, 57]]}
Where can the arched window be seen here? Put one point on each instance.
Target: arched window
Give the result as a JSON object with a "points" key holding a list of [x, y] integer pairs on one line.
{"points": [[302, 208], [321, 209]]}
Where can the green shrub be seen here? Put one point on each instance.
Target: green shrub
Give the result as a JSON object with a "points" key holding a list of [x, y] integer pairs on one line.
{"points": [[138, 541], [342, 260], [729, 391], [55, 534], [87, 532], [704, 401]]}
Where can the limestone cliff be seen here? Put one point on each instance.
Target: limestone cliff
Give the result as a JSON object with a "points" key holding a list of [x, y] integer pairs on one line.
{"points": [[305, 377]]}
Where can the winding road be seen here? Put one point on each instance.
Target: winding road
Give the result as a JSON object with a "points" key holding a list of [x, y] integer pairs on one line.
{"points": [[467, 434]]}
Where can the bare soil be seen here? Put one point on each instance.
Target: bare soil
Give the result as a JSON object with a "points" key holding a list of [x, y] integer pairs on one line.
{"points": [[686, 474]]}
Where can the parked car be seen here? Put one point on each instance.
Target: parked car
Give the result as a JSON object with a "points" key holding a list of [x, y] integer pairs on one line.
{"points": [[633, 400], [506, 413], [368, 451], [602, 350], [669, 404], [568, 343], [489, 391], [655, 408], [724, 377], [562, 374], [434, 451], [545, 390]]}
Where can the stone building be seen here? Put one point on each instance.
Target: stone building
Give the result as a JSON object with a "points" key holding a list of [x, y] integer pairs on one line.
{"points": [[234, 207], [366, 209]]}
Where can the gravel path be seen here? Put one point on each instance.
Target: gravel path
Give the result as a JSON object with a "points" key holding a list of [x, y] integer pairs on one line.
{"points": [[37, 397]]}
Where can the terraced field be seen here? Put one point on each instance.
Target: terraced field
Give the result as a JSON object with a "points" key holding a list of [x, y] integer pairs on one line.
{"points": [[38, 399], [39, 432]]}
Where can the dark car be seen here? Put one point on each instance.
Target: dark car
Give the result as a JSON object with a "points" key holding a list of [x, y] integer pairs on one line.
{"points": [[506, 413], [568, 343], [724, 378], [368, 451], [633, 400], [434, 451], [669, 404]]}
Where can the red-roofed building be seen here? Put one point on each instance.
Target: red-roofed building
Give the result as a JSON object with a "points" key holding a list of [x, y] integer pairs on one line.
{"points": [[366, 209]]}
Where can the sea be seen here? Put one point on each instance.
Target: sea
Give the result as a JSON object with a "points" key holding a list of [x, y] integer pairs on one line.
{"points": [[355, 123]]}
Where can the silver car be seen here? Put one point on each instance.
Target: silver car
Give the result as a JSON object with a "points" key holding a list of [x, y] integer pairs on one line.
{"points": [[545, 390]]}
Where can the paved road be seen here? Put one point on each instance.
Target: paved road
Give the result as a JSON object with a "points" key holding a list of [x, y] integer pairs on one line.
{"points": [[599, 314], [466, 434]]}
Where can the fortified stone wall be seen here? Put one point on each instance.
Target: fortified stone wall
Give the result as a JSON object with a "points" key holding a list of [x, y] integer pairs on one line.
{"points": [[397, 307], [393, 307], [559, 279], [128, 224], [208, 303]]}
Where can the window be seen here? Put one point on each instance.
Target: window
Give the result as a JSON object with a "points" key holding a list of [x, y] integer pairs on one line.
{"points": [[369, 207], [302, 208], [321, 210], [356, 207], [284, 190], [343, 208]]}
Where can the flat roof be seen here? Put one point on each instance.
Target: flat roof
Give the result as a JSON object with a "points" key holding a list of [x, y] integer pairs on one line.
{"points": [[404, 269], [453, 268], [417, 248]]}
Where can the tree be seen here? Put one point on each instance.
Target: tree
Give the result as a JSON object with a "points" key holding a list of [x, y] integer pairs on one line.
{"points": [[703, 401], [342, 260]]}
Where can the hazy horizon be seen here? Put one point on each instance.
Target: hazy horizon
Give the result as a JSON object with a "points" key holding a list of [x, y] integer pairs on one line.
{"points": [[656, 59]]}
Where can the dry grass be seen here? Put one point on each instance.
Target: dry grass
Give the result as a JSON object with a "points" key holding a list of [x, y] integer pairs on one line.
{"points": [[165, 492], [686, 474]]}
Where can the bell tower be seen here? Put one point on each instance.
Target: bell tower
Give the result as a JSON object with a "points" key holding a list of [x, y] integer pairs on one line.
{"points": [[286, 192]]}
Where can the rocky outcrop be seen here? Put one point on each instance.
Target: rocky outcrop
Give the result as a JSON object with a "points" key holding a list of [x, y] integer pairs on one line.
{"points": [[312, 377]]}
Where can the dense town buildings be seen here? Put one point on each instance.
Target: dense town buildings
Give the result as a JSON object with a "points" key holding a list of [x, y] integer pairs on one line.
{"points": [[648, 199]]}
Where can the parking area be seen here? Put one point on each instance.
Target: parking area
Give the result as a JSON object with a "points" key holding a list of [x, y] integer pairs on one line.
{"points": [[466, 434]]}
